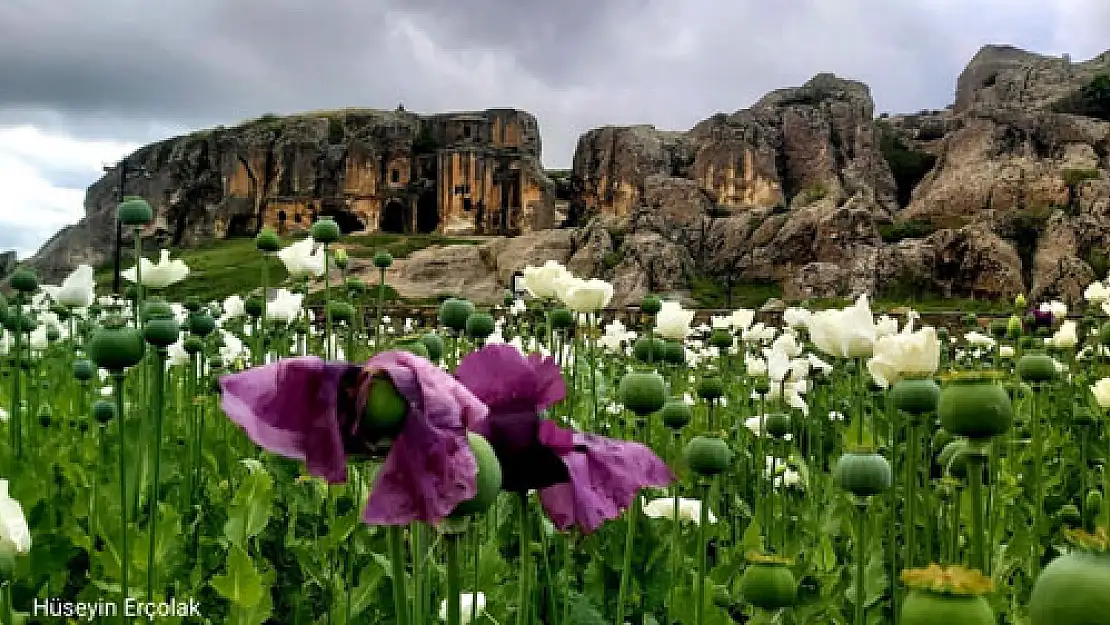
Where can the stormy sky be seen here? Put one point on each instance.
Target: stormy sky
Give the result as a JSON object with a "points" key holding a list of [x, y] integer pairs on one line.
{"points": [[83, 82]]}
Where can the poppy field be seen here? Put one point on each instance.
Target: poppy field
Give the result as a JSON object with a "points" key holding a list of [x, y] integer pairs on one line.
{"points": [[538, 463]]}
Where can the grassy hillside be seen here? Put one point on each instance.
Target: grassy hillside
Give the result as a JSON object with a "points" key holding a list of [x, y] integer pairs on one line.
{"points": [[234, 266]]}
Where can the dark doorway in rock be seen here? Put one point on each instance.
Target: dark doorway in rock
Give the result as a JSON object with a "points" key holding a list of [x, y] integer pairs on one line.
{"points": [[393, 218], [427, 214], [239, 226], [347, 221]]}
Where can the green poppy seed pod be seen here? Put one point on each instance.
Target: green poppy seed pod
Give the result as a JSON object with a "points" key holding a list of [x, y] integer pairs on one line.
{"points": [[434, 344], [1073, 588], [1019, 302], [1013, 327], [201, 324], [508, 300], [116, 346], [643, 392], [412, 346], [674, 352], [155, 308], [777, 424], [20, 322], [488, 480], [1036, 367], [454, 312], [998, 328], [862, 473], [341, 259], [341, 312], [650, 350], [942, 334], [651, 305], [193, 345], [385, 410], [916, 396], [61, 312], [676, 414], [941, 438], [83, 370], [761, 385], [561, 319], [970, 320], [24, 280], [267, 241], [975, 408], [707, 455], [192, 304], [480, 325], [135, 212], [253, 306], [711, 387], [103, 411], [53, 334], [383, 260], [720, 338], [769, 585], [923, 607], [161, 331], [355, 286], [325, 230]]}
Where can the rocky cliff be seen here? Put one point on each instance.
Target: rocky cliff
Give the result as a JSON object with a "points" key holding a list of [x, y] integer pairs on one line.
{"points": [[1006, 191], [391, 171]]}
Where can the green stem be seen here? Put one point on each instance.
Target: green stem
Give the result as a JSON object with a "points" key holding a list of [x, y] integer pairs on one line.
{"points": [[626, 568], [17, 407], [957, 522], [523, 603], [125, 555], [911, 492], [454, 583], [1038, 488], [159, 409], [396, 538], [327, 303], [976, 460], [381, 298], [703, 545], [861, 557]]}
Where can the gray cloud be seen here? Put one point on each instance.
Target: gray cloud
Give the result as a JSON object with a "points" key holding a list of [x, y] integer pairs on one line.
{"points": [[127, 69]]}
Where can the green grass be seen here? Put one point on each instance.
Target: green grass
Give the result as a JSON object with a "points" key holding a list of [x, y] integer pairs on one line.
{"points": [[233, 266]]}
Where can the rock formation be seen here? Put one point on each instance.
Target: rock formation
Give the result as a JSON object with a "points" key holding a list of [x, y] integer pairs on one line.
{"points": [[1006, 191], [473, 173]]}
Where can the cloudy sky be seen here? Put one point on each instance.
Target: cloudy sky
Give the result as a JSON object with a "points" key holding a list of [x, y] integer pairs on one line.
{"points": [[82, 82]]}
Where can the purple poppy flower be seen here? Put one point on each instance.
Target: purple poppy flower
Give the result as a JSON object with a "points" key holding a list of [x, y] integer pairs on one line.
{"points": [[310, 410], [1041, 318], [583, 479]]}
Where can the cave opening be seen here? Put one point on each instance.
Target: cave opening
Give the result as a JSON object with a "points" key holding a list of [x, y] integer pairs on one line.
{"points": [[347, 221], [427, 214], [392, 219]]}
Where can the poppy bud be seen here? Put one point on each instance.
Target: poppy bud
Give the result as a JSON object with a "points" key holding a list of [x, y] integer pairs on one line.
{"points": [[154, 308], [706, 455], [355, 286], [649, 349], [643, 392], [769, 585], [161, 332], [434, 343], [674, 353], [103, 411], [1019, 301], [1013, 327], [341, 259], [116, 346], [341, 312], [201, 324], [561, 319], [253, 306], [998, 328], [761, 385], [711, 387], [720, 338], [651, 305], [480, 325], [24, 280], [676, 414], [1093, 504], [83, 370], [488, 480], [862, 473], [383, 260], [193, 345], [325, 230], [454, 312], [134, 211], [267, 241], [1036, 367], [385, 408]]}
